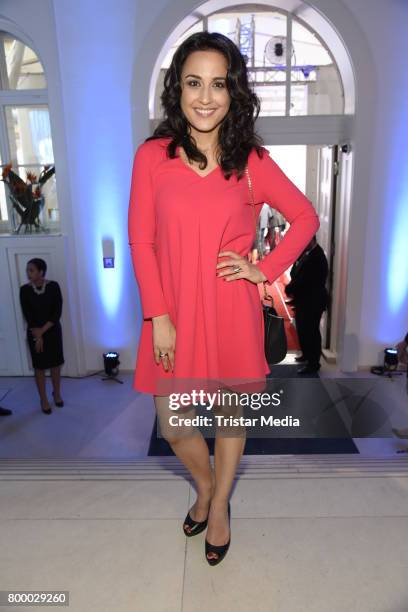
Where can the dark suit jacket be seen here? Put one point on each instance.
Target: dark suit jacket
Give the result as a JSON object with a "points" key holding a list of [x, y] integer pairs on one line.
{"points": [[308, 279]]}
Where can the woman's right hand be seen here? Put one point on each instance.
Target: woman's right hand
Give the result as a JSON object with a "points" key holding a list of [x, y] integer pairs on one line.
{"points": [[164, 340], [39, 345]]}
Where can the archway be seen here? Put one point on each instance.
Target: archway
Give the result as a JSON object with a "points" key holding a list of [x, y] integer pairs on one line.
{"points": [[351, 52]]}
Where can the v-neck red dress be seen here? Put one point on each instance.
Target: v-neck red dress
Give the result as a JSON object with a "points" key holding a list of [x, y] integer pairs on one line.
{"points": [[178, 222]]}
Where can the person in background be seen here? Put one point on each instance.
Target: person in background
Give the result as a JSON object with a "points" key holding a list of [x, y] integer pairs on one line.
{"points": [[270, 222], [265, 219], [309, 296], [276, 226], [41, 303]]}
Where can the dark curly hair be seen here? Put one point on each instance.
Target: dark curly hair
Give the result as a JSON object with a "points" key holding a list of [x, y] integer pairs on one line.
{"points": [[236, 136]]}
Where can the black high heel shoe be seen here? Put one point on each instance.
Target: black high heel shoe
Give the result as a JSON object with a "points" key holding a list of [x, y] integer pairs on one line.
{"points": [[221, 551], [61, 403], [196, 527]]}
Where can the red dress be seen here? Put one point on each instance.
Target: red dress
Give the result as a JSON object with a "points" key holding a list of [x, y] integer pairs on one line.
{"points": [[178, 222]]}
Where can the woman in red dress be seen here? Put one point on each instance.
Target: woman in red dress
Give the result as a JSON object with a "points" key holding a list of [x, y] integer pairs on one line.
{"points": [[191, 228]]}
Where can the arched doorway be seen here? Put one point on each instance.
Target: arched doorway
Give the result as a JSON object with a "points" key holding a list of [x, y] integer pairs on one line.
{"points": [[323, 125]]}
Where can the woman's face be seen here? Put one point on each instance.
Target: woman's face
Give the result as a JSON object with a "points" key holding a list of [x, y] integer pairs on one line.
{"points": [[33, 273], [204, 98]]}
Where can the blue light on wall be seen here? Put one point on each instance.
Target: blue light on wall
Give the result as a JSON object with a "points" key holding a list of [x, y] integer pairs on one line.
{"points": [[106, 211], [397, 276], [109, 242], [393, 282], [96, 71]]}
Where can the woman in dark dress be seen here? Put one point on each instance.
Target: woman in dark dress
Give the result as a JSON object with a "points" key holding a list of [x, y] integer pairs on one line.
{"points": [[41, 303]]}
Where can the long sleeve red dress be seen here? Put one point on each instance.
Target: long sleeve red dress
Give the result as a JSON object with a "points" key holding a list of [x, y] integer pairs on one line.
{"points": [[178, 222]]}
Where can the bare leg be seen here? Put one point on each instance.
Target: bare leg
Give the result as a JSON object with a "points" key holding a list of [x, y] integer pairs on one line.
{"points": [[189, 445], [228, 449], [56, 382], [41, 386]]}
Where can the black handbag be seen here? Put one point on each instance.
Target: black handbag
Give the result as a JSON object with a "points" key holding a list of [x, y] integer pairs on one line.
{"points": [[275, 342]]}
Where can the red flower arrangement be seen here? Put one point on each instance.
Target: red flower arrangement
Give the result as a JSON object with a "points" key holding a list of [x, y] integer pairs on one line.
{"points": [[26, 196]]}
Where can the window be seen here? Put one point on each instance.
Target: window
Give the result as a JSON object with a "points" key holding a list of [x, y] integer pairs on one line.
{"points": [[21, 68], [26, 152], [290, 68]]}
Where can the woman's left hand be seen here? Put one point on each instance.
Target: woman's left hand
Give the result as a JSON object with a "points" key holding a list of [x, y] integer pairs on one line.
{"points": [[39, 345], [247, 270], [36, 331]]}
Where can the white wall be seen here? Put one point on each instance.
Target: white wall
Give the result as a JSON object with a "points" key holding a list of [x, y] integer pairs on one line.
{"points": [[96, 47], [98, 88], [384, 308]]}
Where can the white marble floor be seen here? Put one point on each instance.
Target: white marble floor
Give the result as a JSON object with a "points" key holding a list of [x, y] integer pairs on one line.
{"points": [[309, 533], [301, 543]]}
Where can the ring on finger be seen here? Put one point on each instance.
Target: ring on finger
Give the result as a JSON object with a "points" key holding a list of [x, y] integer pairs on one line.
{"points": [[237, 269]]}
